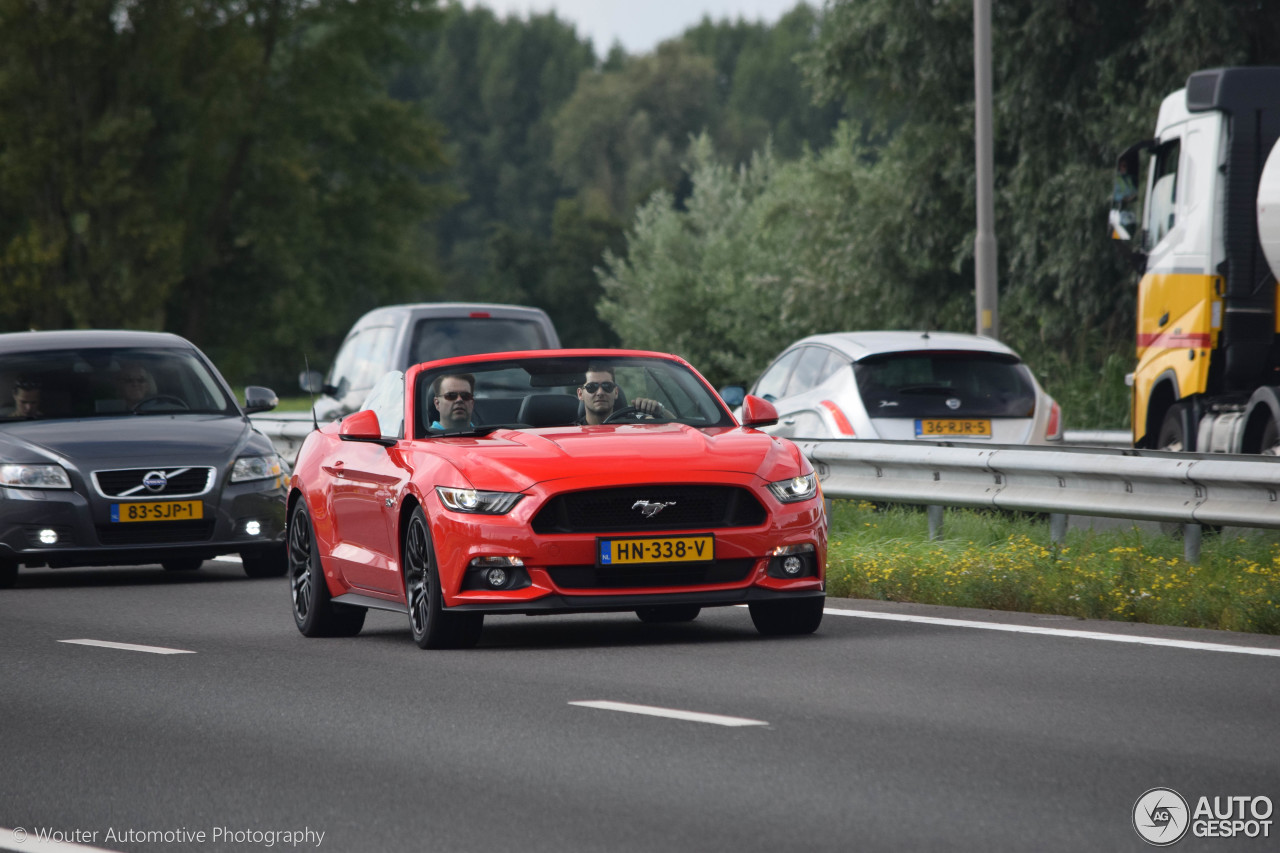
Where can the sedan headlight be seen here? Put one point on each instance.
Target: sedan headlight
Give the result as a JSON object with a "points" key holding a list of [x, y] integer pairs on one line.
{"points": [[256, 468], [471, 500], [34, 476], [795, 489]]}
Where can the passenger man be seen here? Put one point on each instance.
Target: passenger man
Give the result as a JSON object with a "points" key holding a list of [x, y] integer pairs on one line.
{"points": [[455, 401]]}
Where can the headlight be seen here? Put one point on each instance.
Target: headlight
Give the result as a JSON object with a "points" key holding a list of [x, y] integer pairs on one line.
{"points": [[256, 468], [470, 500], [34, 477], [796, 489]]}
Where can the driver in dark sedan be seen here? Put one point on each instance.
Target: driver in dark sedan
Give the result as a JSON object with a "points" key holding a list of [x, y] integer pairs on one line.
{"points": [[135, 383], [599, 394]]}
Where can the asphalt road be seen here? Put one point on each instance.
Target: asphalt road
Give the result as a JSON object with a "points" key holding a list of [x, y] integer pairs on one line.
{"points": [[873, 734]]}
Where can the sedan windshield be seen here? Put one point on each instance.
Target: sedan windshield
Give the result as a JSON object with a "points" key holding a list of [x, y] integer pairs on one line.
{"points": [[108, 382], [546, 391], [933, 384]]}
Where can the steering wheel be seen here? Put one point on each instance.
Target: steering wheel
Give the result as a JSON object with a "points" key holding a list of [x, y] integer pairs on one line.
{"points": [[161, 398], [631, 411]]}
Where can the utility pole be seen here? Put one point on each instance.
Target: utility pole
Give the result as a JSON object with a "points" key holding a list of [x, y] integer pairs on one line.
{"points": [[984, 248]]}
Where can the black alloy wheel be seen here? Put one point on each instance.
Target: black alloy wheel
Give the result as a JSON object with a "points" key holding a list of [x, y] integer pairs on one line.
{"points": [[314, 612], [432, 627]]}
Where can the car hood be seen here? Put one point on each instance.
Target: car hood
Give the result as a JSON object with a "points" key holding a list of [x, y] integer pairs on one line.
{"points": [[518, 459], [154, 439]]}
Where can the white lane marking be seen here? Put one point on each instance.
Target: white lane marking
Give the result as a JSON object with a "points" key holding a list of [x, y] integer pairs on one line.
{"points": [[1057, 632], [671, 713], [129, 647], [28, 842]]}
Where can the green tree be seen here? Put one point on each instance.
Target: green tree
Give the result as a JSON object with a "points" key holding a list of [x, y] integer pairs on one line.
{"points": [[231, 170]]}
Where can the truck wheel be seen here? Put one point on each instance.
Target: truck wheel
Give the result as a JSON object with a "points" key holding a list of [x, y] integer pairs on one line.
{"points": [[1173, 430]]}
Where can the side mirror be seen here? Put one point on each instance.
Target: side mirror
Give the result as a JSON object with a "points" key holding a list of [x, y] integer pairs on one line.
{"points": [[259, 399], [732, 395], [311, 381], [758, 412], [361, 426]]}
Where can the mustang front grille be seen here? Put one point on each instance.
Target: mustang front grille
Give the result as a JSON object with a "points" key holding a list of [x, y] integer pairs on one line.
{"points": [[639, 508], [640, 577]]}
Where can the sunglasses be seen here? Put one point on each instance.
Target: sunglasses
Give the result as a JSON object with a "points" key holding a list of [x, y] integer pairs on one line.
{"points": [[592, 387], [464, 396]]}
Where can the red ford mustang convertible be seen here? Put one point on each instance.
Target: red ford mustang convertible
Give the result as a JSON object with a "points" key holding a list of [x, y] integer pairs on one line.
{"points": [[564, 481]]}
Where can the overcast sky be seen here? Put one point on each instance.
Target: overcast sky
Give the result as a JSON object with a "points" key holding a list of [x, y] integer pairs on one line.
{"points": [[641, 24]]}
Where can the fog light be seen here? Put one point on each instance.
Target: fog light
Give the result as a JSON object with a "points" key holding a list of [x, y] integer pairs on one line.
{"points": [[253, 528], [495, 573], [496, 578], [793, 561], [48, 537], [792, 565]]}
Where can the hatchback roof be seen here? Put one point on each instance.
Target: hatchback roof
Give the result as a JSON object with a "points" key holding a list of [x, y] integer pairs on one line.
{"points": [[859, 345]]}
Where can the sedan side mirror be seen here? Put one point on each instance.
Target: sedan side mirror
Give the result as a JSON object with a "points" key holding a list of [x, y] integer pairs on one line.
{"points": [[259, 399], [758, 412]]}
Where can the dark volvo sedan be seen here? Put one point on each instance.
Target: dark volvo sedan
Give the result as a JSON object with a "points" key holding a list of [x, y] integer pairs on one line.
{"points": [[124, 448]]}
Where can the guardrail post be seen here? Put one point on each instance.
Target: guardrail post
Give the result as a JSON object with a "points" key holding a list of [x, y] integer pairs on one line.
{"points": [[935, 522], [1057, 527], [1191, 535]]}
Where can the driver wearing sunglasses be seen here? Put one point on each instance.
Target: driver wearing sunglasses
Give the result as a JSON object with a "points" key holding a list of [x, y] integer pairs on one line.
{"points": [[455, 401], [599, 393]]}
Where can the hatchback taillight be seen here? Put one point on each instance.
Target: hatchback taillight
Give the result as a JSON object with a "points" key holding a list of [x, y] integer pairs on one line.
{"points": [[1053, 431]]}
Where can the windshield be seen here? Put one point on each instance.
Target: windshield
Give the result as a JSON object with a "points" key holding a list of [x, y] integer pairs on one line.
{"points": [[108, 383], [945, 384], [532, 393]]}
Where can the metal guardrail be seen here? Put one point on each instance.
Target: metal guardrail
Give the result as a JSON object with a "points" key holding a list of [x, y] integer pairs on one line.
{"points": [[1145, 485]]}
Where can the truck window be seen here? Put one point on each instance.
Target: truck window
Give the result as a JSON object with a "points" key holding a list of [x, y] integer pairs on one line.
{"points": [[1164, 192], [445, 337]]}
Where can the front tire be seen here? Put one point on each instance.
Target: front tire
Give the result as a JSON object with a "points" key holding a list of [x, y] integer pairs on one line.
{"points": [[780, 618], [8, 574], [314, 612], [432, 627]]}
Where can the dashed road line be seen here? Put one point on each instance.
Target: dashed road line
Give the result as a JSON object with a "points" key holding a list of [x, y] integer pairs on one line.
{"points": [[129, 647], [671, 713]]}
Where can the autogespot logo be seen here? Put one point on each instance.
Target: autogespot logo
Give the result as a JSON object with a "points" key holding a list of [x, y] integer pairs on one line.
{"points": [[1160, 816]]}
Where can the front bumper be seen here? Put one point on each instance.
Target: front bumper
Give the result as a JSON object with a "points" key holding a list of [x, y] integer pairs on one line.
{"points": [[61, 528]]}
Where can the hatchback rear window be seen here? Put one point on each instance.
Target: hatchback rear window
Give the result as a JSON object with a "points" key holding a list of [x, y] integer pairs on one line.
{"points": [[945, 384]]}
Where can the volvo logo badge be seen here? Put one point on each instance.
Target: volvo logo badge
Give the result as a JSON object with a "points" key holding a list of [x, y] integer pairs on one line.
{"points": [[953, 403], [155, 481], [651, 508]]}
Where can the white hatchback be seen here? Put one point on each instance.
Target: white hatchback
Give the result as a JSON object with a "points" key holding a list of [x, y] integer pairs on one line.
{"points": [[939, 386]]}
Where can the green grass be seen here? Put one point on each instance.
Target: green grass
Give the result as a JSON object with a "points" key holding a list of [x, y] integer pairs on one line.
{"points": [[293, 404], [1007, 562]]}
